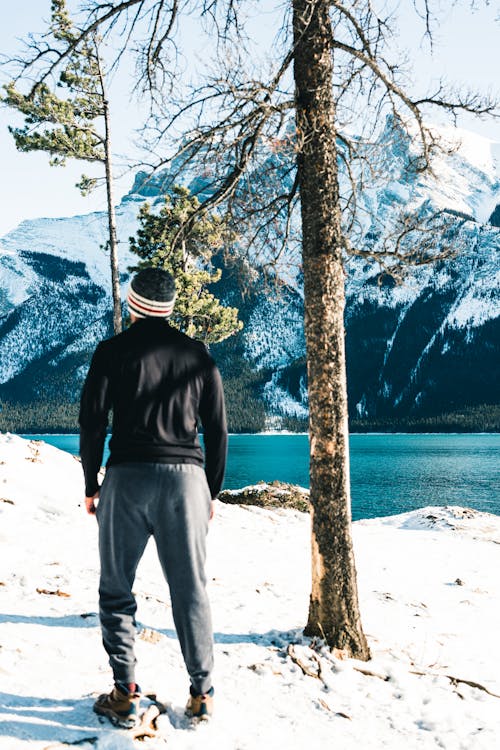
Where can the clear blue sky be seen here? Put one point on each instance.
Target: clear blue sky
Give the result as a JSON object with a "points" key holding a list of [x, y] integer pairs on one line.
{"points": [[467, 53]]}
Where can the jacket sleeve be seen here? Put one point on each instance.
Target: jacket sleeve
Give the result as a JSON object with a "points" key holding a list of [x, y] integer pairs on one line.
{"points": [[95, 404], [213, 419]]}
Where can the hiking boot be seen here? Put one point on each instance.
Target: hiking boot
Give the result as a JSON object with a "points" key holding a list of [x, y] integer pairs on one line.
{"points": [[200, 707], [121, 705]]}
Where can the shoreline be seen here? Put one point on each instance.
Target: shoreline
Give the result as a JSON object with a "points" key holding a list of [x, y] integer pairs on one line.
{"points": [[276, 433], [387, 474]]}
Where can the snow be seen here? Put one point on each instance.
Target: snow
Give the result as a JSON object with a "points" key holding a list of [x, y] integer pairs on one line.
{"points": [[465, 180], [274, 332], [280, 400], [473, 310], [429, 591], [76, 238], [477, 149], [465, 173], [17, 278]]}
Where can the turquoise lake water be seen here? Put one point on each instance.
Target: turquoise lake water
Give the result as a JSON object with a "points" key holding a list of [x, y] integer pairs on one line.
{"points": [[389, 473]]}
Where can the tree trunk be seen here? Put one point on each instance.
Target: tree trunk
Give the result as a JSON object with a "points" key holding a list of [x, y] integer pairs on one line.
{"points": [[333, 612], [113, 242], [112, 239]]}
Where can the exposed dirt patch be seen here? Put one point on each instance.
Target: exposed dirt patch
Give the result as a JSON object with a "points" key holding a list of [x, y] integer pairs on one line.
{"points": [[269, 495]]}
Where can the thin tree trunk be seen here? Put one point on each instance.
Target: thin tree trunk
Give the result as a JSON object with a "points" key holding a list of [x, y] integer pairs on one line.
{"points": [[334, 612], [185, 258], [112, 239]]}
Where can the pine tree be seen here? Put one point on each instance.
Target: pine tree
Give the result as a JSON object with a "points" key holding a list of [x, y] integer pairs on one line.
{"points": [[168, 240], [73, 125]]}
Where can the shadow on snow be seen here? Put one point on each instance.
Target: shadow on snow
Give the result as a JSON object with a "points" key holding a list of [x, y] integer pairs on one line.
{"points": [[270, 638]]}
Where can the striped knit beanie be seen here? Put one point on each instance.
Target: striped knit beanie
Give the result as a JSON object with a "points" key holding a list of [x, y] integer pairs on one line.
{"points": [[151, 294]]}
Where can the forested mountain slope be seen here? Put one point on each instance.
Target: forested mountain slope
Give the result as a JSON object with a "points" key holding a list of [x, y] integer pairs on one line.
{"points": [[427, 346]]}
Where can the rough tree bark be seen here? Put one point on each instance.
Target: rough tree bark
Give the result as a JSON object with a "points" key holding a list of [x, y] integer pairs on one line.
{"points": [[333, 612]]}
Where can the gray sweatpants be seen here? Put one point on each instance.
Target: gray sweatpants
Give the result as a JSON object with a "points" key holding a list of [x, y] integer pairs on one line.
{"points": [[172, 503]]}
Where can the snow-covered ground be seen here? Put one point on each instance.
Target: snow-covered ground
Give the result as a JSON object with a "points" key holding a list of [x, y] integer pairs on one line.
{"points": [[429, 592]]}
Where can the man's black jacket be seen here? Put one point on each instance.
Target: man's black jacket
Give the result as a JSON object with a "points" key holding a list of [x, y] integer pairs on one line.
{"points": [[158, 382]]}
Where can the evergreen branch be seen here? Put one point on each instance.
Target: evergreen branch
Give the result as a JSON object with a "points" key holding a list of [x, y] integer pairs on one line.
{"points": [[73, 45]]}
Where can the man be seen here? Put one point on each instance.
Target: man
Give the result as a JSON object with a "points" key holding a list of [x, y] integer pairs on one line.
{"points": [[158, 382]]}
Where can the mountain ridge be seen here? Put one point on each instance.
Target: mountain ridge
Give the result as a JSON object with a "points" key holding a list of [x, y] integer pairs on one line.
{"points": [[414, 350]]}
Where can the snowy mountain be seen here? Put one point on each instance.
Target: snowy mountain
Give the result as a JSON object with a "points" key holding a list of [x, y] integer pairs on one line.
{"points": [[431, 343], [428, 586], [425, 346], [55, 299]]}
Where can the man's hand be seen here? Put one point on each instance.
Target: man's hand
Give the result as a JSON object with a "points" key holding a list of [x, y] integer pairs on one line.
{"points": [[90, 505], [212, 510]]}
